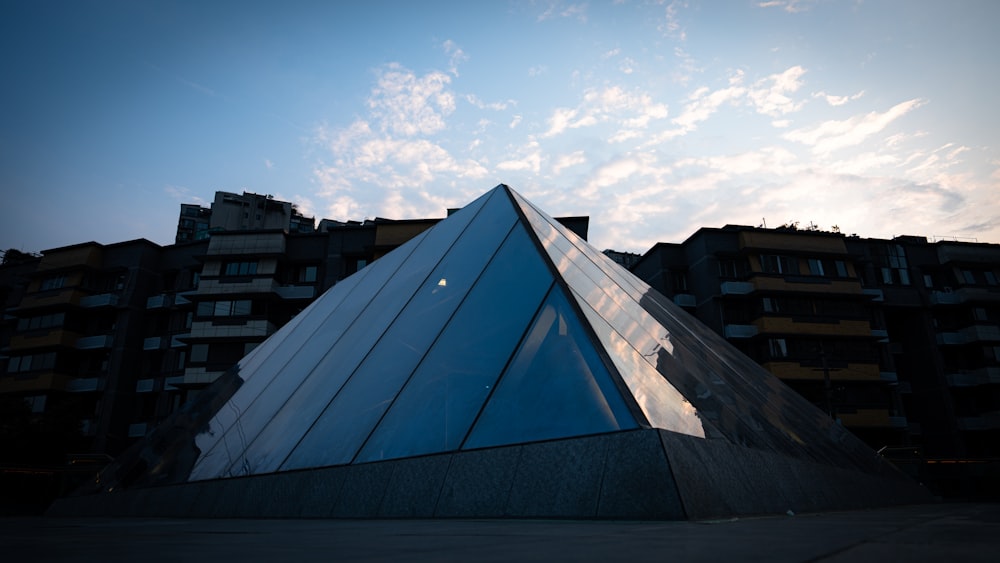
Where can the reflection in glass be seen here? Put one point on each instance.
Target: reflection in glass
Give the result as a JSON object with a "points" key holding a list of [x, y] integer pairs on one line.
{"points": [[435, 409], [351, 415], [555, 387]]}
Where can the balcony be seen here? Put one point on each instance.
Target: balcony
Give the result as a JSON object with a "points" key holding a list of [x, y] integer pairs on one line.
{"points": [[950, 338], [685, 300], [985, 421], [101, 300], [740, 331], [153, 343], [736, 288], [981, 333], [982, 376], [66, 296], [161, 301], [888, 376], [94, 342], [177, 340], [868, 418], [944, 298], [200, 376], [250, 329], [42, 382], [51, 338], [811, 371], [789, 325], [295, 291], [84, 385], [964, 295], [877, 295], [243, 287]]}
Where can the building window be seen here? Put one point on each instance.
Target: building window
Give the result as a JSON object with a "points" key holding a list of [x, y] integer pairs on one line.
{"points": [[52, 282], [41, 322], [815, 267], [841, 268], [199, 353], [680, 281], [891, 261], [775, 264], [969, 277], [237, 308], [32, 362], [307, 274], [727, 268], [991, 278], [778, 347], [239, 268]]}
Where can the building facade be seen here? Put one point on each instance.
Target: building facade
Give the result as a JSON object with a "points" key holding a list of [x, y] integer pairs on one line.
{"points": [[895, 339], [112, 339]]}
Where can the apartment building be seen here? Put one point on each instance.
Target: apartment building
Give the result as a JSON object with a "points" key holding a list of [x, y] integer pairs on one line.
{"points": [[895, 339]]}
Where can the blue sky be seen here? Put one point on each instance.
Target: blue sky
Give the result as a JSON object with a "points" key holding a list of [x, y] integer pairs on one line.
{"points": [[654, 118]]}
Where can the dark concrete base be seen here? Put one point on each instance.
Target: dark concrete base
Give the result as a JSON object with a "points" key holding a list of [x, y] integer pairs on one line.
{"points": [[635, 475]]}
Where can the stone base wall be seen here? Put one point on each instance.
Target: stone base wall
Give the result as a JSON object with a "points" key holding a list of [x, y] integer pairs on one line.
{"points": [[636, 475]]}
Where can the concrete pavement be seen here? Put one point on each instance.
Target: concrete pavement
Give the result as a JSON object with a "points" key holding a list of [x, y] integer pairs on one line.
{"points": [[940, 532]]}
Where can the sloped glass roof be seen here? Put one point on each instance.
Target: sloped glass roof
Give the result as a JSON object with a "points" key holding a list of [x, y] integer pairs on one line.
{"points": [[498, 326]]}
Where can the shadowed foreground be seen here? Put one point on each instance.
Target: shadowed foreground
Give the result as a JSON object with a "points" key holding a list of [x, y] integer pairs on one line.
{"points": [[954, 532]]}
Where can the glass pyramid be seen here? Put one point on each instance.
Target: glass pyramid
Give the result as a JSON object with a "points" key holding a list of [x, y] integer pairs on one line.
{"points": [[496, 327]]}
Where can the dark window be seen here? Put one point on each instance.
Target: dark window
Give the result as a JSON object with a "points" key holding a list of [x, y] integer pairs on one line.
{"points": [[53, 282], [40, 322], [307, 274], [239, 269], [775, 264]]}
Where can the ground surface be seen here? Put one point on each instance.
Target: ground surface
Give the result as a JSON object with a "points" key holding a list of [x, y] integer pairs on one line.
{"points": [[942, 532]]}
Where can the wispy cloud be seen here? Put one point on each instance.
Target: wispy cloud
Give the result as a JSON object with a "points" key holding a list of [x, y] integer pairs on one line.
{"points": [[183, 195], [455, 54], [671, 26], [833, 135], [627, 110], [790, 6], [559, 9], [838, 100]]}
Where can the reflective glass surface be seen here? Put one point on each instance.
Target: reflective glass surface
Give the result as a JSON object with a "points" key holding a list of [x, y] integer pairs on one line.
{"points": [[270, 427], [555, 387], [435, 409], [339, 432], [743, 401], [261, 397]]}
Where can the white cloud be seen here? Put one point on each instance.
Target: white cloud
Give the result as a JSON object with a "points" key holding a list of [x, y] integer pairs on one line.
{"points": [[268, 164], [559, 9], [833, 135], [702, 103], [671, 25], [568, 160], [614, 105], [184, 195], [515, 121], [538, 70], [790, 6], [838, 100], [496, 106], [455, 54], [406, 104], [769, 96], [526, 158]]}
